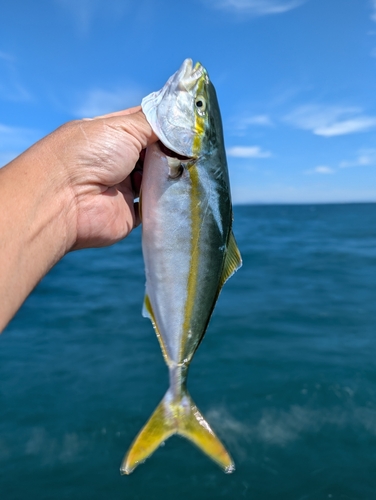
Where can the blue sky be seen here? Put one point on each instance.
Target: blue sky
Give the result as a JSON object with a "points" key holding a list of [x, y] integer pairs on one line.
{"points": [[296, 81]]}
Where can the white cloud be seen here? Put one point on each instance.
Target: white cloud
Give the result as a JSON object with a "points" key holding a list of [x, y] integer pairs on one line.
{"points": [[240, 125], [330, 121], [321, 169], [373, 4], [359, 124], [248, 152], [262, 120], [258, 120], [83, 12], [257, 7], [98, 101], [365, 158]]}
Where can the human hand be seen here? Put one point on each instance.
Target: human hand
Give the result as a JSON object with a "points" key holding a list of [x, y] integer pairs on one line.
{"points": [[98, 156], [72, 189]]}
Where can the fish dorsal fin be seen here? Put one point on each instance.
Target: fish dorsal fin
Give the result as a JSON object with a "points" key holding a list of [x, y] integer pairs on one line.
{"points": [[232, 262]]}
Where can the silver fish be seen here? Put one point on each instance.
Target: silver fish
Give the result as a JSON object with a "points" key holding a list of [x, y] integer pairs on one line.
{"points": [[188, 246]]}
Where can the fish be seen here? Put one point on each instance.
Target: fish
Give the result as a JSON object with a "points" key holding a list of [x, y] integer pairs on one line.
{"points": [[188, 247]]}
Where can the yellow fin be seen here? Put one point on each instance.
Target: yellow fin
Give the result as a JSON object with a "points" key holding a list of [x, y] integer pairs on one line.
{"points": [[140, 203], [147, 312], [157, 429], [233, 260], [176, 417], [195, 428]]}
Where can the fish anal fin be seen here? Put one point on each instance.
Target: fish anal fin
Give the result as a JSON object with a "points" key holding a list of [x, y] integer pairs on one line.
{"points": [[147, 312], [233, 260]]}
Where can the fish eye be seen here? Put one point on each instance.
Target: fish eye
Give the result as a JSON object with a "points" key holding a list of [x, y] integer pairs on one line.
{"points": [[200, 104]]}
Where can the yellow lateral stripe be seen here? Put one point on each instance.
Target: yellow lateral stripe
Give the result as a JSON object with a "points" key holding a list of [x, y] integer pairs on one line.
{"points": [[195, 253], [195, 214]]}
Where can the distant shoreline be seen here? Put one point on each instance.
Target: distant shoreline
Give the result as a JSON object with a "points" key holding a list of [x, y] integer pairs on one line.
{"points": [[300, 203]]}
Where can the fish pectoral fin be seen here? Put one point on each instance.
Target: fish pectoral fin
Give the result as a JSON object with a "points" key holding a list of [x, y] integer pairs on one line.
{"points": [[158, 428], [176, 417], [194, 427], [140, 203], [233, 260]]}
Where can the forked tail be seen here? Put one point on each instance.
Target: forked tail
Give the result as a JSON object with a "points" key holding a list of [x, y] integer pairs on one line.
{"points": [[176, 415]]}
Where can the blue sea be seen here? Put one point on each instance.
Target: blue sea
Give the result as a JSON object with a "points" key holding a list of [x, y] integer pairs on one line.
{"points": [[286, 374]]}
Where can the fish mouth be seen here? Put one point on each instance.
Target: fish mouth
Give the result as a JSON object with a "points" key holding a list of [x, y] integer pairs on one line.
{"points": [[156, 105], [189, 75], [172, 154]]}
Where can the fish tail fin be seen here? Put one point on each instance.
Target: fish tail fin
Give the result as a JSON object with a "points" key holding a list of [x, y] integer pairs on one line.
{"points": [[174, 416], [193, 426], [157, 429]]}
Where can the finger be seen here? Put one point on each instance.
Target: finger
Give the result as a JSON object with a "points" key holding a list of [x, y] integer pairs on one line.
{"points": [[136, 125], [123, 112]]}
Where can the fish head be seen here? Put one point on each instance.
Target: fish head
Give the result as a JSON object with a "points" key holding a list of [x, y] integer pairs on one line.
{"points": [[181, 113]]}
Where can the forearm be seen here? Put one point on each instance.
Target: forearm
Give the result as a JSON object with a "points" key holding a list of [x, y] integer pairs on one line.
{"points": [[34, 212]]}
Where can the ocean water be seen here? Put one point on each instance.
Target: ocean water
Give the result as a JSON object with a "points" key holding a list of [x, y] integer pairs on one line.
{"points": [[286, 374]]}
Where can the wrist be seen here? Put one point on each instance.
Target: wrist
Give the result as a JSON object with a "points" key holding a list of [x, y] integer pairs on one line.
{"points": [[51, 198]]}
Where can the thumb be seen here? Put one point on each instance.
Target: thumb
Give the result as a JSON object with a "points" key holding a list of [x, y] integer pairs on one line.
{"points": [[133, 122], [122, 112]]}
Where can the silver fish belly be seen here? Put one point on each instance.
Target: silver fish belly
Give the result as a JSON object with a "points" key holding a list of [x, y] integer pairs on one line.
{"points": [[188, 246]]}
